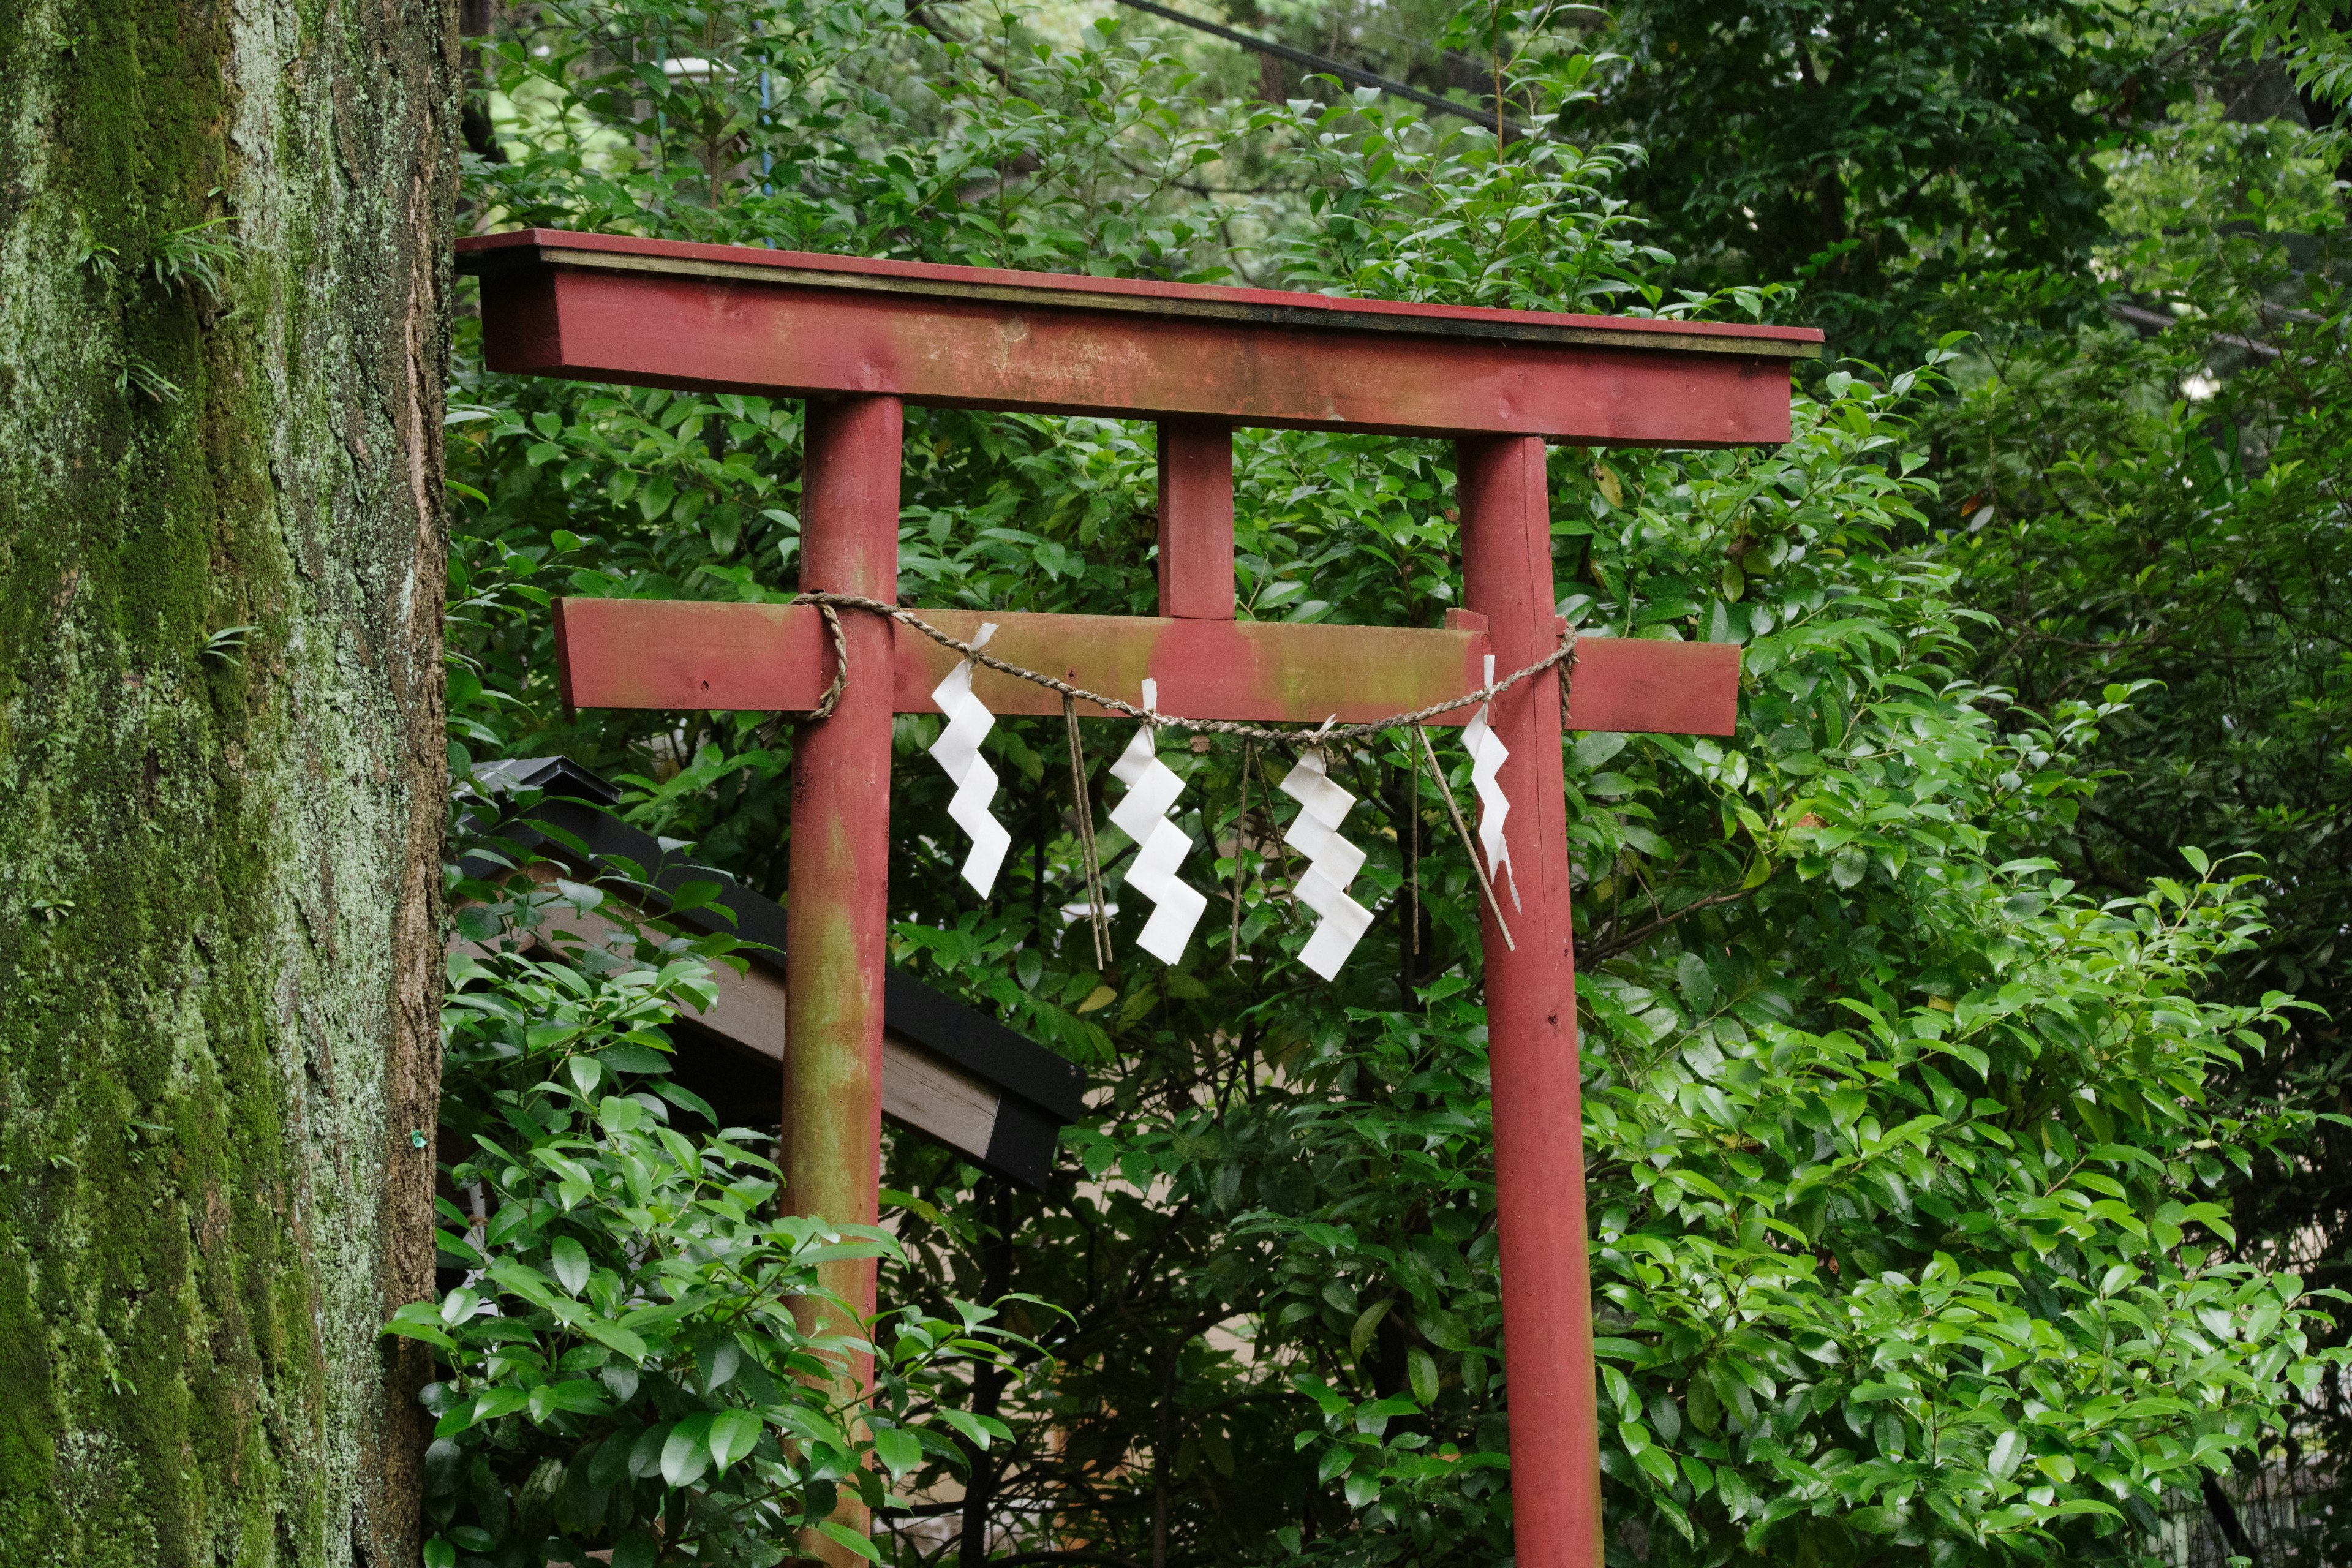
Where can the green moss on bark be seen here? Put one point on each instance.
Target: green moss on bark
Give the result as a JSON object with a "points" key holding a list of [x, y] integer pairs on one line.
{"points": [[218, 862]]}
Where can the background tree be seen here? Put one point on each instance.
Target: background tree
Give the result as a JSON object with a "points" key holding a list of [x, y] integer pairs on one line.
{"points": [[1871, 151], [2158, 496], [1866, 154], [224, 238]]}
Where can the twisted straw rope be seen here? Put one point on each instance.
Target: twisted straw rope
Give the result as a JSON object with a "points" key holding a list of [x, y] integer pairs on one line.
{"points": [[825, 603]]}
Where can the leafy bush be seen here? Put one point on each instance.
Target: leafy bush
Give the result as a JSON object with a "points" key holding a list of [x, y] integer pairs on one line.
{"points": [[641, 1357]]}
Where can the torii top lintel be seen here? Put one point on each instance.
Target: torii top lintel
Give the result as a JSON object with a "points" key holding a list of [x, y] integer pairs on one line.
{"points": [[788, 323]]}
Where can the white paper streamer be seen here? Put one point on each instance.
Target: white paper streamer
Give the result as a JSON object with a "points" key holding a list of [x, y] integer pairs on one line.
{"points": [[1161, 845], [957, 751], [1487, 755], [1331, 864]]}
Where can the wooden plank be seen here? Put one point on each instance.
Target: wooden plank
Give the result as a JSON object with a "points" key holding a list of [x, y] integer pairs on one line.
{"points": [[685, 654], [523, 249], [938, 1098], [1640, 686], [682, 655], [1070, 354], [1263, 672]]}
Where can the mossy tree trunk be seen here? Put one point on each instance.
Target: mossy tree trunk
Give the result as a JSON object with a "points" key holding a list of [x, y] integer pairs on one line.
{"points": [[218, 847]]}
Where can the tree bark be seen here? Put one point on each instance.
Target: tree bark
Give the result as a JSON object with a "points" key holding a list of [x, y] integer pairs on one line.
{"points": [[222, 774]]}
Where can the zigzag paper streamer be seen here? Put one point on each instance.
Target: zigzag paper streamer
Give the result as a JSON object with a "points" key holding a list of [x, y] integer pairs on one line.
{"points": [[957, 751], [1487, 755], [1331, 864], [1161, 845]]}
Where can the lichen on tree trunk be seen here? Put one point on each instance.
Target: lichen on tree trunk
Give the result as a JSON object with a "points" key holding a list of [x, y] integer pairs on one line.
{"points": [[219, 848]]}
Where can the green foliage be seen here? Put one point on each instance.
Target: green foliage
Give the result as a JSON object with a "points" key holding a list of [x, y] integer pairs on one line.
{"points": [[638, 1358], [1865, 1289], [1907, 1167], [1872, 150], [1394, 212], [2313, 40], [2160, 499], [194, 256], [809, 134]]}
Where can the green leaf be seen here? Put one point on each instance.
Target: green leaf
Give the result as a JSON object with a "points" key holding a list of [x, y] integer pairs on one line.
{"points": [[569, 1260], [846, 1537], [899, 1449], [1695, 983], [1659, 1463], [1598, 747], [1420, 1370], [981, 1429], [634, 1059], [687, 1453], [613, 1334], [1368, 1322], [733, 1433], [420, 1321], [523, 1281], [480, 923], [493, 1402]]}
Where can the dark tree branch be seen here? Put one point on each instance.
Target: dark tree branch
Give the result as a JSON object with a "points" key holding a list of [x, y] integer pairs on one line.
{"points": [[1601, 951]]}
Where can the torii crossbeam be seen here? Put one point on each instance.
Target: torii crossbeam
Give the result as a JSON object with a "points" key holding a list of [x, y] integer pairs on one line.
{"points": [[860, 339]]}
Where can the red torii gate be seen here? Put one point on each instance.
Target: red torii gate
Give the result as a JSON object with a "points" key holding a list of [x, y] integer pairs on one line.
{"points": [[860, 339]]}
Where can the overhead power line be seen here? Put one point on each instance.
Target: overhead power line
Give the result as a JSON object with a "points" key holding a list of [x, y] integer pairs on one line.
{"points": [[1340, 69]]}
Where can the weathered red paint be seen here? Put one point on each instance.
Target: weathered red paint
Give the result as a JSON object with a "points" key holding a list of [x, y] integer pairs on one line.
{"points": [[1640, 686], [735, 318], [836, 911], [1196, 519], [482, 253], [683, 656], [1531, 1029]]}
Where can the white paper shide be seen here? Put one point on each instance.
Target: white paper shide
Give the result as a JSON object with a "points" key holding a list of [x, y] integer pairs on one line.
{"points": [[1161, 845], [957, 751], [1487, 755], [1331, 864]]}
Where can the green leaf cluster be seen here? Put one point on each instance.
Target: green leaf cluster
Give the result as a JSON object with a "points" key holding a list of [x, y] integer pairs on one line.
{"points": [[638, 1355]]}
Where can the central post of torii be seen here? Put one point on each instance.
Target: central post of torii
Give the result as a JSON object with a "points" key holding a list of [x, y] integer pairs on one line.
{"points": [[861, 338]]}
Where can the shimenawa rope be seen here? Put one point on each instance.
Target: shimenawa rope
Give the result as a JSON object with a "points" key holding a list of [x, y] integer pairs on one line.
{"points": [[826, 603]]}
